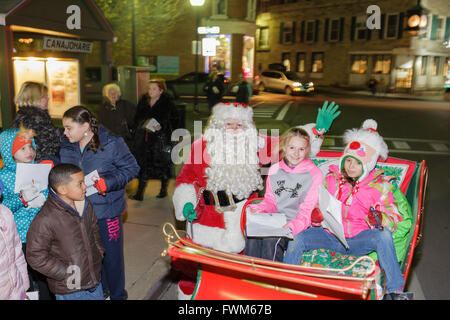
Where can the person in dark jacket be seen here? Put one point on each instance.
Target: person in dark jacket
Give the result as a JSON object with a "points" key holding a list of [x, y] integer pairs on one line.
{"points": [[243, 90], [63, 240], [214, 89], [94, 148], [32, 101], [156, 118], [115, 113]]}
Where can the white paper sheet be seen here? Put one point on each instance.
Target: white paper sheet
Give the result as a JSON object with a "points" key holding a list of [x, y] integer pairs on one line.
{"points": [[89, 181], [267, 225], [151, 124], [32, 174], [332, 214]]}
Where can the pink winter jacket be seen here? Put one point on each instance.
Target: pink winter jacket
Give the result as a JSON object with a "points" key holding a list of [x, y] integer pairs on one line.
{"points": [[13, 268], [292, 191], [373, 191]]}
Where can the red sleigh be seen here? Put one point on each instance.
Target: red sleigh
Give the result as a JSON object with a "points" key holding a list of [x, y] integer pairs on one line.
{"points": [[322, 275]]}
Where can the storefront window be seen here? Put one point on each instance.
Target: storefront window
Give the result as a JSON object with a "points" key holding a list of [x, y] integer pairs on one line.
{"points": [[317, 62], [382, 64], [359, 64], [221, 62], [248, 54], [60, 75]]}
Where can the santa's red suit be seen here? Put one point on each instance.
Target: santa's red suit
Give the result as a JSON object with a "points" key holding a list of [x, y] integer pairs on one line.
{"points": [[213, 229]]}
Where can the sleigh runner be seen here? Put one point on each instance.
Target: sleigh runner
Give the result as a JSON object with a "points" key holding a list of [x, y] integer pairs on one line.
{"points": [[322, 274]]}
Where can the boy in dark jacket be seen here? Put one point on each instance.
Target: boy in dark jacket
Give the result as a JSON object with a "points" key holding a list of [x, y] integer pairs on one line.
{"points": [[63, 239]]}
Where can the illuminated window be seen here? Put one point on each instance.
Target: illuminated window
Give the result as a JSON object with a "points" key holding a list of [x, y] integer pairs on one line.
{"points": [[359, 64], [436, 66], [382, 64], [317, 62], [423, 66], [263, 38], [301, 61]]}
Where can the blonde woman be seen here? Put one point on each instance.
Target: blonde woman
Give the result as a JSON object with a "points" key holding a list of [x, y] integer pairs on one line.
{"points": [[32, 102], [115, 113]]}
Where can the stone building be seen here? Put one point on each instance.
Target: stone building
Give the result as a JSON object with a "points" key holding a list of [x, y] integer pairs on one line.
{"points": [[330, 43]]}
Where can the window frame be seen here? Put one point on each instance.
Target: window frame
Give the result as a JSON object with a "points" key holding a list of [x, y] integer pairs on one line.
{"points": [[395, 27], [313, 54]]}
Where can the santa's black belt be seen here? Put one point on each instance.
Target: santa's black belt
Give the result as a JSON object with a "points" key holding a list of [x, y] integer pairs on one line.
{"points": [[221, 195]]}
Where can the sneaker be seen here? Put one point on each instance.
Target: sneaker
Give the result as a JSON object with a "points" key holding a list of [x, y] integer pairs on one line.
{"points": [[399, 296]]}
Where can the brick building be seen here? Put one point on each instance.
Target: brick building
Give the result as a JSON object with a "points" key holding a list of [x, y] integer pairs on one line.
{"points": [[330, 43]]}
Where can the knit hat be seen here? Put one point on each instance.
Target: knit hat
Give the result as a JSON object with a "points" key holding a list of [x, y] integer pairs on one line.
{"points": [[365, 145], [23, 137], [238, 111]]}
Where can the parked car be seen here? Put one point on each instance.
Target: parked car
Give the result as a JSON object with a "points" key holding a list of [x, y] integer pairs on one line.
{"points": [[185, 85], [94, 83], [283, 81]]}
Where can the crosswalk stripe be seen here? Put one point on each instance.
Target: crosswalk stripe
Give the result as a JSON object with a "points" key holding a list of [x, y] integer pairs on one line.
{"points": [[401, 145], [439, 147]]}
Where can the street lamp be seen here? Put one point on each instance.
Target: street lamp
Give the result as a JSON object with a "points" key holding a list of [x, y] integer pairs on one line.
{"points": [[416, 19], [196, 3]]}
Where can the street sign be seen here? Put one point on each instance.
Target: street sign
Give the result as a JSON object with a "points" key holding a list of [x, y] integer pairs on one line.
{"points": [[208, 30], [209, 47]]}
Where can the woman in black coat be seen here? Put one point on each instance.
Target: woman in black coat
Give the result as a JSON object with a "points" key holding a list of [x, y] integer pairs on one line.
{"points": [[156, 117]]}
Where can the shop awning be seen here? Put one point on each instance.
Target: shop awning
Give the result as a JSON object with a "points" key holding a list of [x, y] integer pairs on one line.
{"points": [[50, 16]]}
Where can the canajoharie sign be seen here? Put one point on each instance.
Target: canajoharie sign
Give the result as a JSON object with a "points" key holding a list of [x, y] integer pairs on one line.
{"points": [[71, 45]]}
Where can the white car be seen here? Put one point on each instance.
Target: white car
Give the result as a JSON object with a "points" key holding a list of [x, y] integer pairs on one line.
{"points": [[287, 82]]}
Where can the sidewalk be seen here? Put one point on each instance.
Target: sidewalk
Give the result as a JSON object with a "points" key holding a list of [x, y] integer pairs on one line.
{"points": [[420, 95], [143, 238]]}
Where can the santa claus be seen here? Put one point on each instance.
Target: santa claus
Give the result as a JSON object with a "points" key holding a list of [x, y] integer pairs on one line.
{"points": [[222, 171]]}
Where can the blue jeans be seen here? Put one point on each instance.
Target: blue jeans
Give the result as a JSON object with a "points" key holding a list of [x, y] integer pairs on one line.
{"points": [[363, 243], [96, 294]]}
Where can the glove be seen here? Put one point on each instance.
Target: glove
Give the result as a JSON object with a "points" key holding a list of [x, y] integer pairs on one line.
{"points": [[326, 115], [100, 185], [188, 212], [316, 217], [47, 162], [29, 193], [37, 202]]}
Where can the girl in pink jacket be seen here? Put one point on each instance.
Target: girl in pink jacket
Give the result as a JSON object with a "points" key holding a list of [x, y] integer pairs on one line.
{"points": [[13, 268], [292, 188], [363, 191]]}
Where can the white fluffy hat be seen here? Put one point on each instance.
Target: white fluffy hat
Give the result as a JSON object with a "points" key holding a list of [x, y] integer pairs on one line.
{"points": [[366, 145], [238, 111]]}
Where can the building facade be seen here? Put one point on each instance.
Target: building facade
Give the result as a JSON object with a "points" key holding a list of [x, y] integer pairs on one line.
{"points": [[49, 41], [330, 42], [230, 22]]}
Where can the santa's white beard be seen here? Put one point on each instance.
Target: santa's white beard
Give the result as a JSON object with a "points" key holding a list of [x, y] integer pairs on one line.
{"points": [[234, 162]]}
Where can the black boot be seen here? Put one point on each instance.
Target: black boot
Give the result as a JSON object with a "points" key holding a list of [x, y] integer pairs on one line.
{"points": [[163, 191], [139, 196]]}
